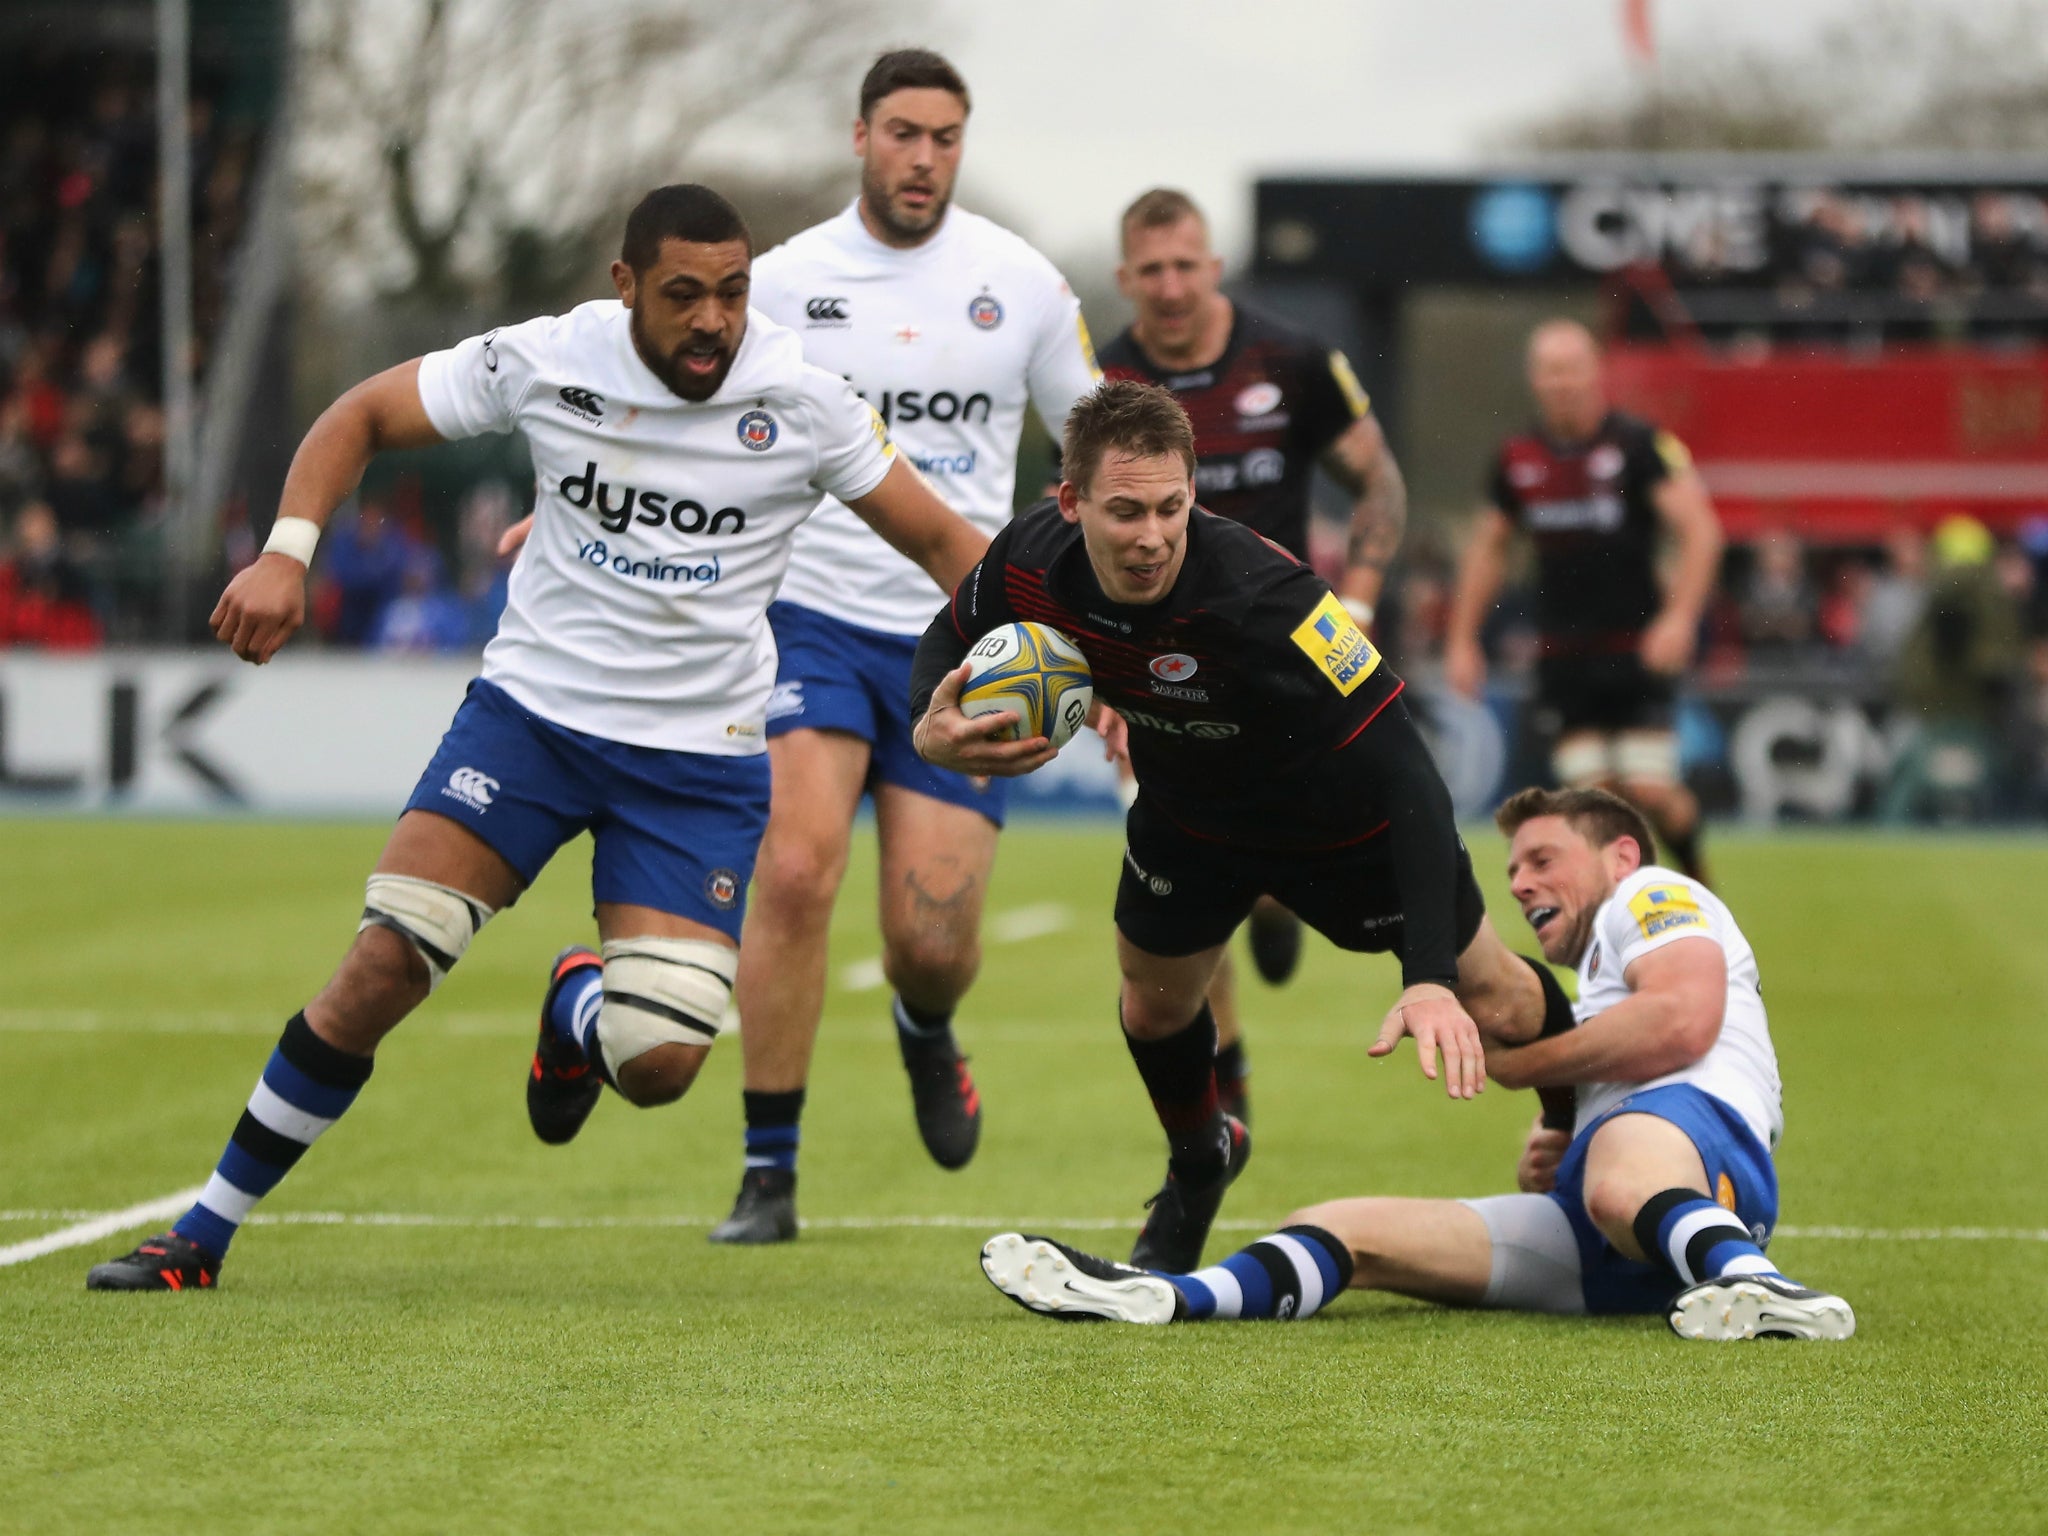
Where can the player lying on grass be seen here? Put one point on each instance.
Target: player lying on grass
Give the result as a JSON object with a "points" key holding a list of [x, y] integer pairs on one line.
{"points": [[1661, 1201], [1273, 757], [678, 442]]}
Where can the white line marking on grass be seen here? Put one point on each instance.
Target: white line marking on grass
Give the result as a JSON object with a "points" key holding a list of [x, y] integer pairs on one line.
{"points": [[1034, 922], [1016, 926], [862, 975], [145, 1214], [156, 1210]]}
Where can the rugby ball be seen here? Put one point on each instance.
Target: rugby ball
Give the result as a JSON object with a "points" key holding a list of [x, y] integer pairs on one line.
{"points": [[1035, 673]]}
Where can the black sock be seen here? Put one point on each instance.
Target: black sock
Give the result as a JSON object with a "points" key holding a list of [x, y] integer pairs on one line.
{"points": [[773, 1128], [1231, 1067], [919, 1023], [1560, 1105], [1180, 1075]]}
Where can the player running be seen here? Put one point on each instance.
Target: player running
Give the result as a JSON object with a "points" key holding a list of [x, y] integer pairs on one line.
{"points": [[1661, 1201], [1594, 487], [1269, 404], [950, 326], [678, 441], [1279, 761]]}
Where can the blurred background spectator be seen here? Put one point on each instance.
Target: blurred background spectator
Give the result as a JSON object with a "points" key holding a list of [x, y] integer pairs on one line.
{"points": [[1959, 676], [81, 423], [1778, 608], [42, 595]]}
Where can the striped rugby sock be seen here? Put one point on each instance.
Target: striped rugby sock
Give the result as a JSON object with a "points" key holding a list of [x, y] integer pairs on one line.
{"points": [[304, 1089], [1698, 1239], [572, 1012], [1293, 1274], [774, 1127]]}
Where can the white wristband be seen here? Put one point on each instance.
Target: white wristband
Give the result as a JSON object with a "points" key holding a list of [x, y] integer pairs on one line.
{"points": [[297, 537], [1359, 609]]}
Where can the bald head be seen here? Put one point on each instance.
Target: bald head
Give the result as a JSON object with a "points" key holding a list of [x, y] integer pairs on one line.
{"points": [[1565, 377]]}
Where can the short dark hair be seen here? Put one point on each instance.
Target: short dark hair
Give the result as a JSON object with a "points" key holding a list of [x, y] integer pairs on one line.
{"points": [[1597, 816], [910, 69], [1160, 208], [1126, 416], [684, 211]]}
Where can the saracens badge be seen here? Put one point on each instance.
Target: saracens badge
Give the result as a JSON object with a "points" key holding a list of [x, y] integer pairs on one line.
{"points": [[758, 430], [985, 312], [1176, 667]]}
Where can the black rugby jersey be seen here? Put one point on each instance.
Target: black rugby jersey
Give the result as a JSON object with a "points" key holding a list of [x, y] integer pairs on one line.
{"points": [[1590, 509], [1260, 716], [1263, 413]]}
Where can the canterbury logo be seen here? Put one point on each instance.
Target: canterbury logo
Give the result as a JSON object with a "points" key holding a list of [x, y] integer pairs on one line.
{"points": [[472, 786], [582, 400], [825, 309]]}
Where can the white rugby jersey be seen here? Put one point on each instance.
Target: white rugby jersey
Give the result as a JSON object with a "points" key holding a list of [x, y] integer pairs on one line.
{"points": [[948, 341], [1652, 908], [661, 526]]}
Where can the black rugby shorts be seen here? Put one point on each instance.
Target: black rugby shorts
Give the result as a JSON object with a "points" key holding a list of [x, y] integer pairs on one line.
{"points": [[1181, 894]]}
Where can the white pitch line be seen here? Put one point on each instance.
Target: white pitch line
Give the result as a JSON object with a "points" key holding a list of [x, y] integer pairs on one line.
{"points": [[147, 1213], [171, 1205], [1015, 926], [1033, 922]]}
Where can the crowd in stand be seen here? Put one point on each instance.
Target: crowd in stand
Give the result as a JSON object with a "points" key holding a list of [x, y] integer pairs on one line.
{"points": [[1865, 268], [81, 415], [380, 583], [1951, 629]]}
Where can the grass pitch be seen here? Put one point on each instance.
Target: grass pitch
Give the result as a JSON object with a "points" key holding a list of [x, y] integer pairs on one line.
{"points": [[541, 1340]]}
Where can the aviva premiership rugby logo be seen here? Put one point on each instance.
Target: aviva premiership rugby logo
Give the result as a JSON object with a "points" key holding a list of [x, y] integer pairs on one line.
{"points": [[1337, 646], [985, 312], [1661, 908], [758, 431]]}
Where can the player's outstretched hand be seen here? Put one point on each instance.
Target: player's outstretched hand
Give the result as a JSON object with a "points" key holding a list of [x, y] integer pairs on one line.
{"points": [[949, 739], [1434, 1017], [1536, 1174], [511, 540], [262, 607]]}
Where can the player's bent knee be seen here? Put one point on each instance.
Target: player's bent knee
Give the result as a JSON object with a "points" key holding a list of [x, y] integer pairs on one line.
{"points": [[1613, 1203], [941, 966], [435, 920], [661, 993], [660, 1076]]}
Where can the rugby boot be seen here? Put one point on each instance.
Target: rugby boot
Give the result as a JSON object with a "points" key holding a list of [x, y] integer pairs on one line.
{"points": [[166, 1262], [563, 1086], [1183, 1211], [1053, 1280], [1759, 1307], [765, 1211], [1274, 934], [942, 1093]]}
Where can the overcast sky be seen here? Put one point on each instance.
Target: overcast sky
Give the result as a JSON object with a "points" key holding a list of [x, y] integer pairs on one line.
{"points": [[1081, 104]]}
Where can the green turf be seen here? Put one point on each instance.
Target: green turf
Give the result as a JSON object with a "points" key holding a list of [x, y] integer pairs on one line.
{"points": [[634, 1378]]}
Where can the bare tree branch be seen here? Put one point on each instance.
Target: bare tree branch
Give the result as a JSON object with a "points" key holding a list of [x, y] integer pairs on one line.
{"points": [[1892, 76], [461, 148]]}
